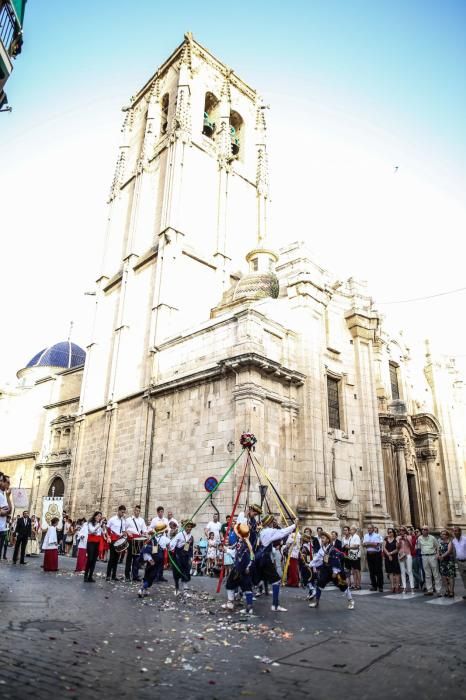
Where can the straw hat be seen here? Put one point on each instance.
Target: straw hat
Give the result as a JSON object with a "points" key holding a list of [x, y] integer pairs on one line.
{"points": [[267, 520], [242, 530], [257, 509]]}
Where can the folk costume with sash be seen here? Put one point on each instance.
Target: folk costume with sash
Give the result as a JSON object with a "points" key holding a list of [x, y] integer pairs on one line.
{"points": [[240, 574], [181, 548], [329, 562], [265, 569], [152, 556]]}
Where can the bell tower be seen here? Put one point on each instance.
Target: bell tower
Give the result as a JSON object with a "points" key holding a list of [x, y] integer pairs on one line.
{"points": [[188, 198]]}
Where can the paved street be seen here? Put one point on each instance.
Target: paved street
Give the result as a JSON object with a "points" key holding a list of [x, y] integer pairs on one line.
{"points": [[63, 637]]}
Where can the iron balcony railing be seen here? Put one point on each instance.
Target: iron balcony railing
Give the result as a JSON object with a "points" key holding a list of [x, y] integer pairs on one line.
{"points": [[8, 31]]}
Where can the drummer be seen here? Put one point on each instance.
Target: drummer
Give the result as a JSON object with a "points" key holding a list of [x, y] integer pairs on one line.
{"points": [[116, 529], [136, 530]]}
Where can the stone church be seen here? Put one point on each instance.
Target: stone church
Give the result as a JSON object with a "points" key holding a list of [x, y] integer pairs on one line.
{"points": [[202, 331]]}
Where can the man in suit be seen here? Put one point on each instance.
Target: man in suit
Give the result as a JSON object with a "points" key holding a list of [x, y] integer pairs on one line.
{"points": [[23, 533]]}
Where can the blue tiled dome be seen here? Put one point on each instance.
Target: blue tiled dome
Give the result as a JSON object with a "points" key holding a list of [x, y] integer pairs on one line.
{"points": [[64, 355]]}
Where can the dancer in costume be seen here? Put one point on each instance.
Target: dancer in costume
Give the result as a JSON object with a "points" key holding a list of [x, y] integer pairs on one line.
{"points": [[330, 568], [240, 574], [181, 547], [153, 556], [264, 567]]}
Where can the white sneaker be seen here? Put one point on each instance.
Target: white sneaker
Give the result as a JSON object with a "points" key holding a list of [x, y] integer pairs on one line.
{"points": [[177, 593], [140, 592], [351, 605], [228, 606], [314, 603], [278, 608], [412, 592]]}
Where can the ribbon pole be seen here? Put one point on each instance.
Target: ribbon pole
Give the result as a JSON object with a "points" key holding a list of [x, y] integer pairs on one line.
{"points": [[227, 532]]}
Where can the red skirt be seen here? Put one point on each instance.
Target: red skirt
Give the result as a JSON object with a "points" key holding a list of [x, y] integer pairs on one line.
{"points": [[293, 574], [51, 560], [81, 560], [103, 548]]}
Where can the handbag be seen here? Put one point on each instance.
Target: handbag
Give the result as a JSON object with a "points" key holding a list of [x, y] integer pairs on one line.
{"points": [[401, 556]]}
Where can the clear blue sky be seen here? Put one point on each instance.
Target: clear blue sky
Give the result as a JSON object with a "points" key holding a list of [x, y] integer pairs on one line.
{"points": [[364, 85]]}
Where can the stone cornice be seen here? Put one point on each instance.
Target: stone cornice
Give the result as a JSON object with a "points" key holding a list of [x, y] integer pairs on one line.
{"points": [[265, 366], [65, 402], [362, 323], [23, 455]]}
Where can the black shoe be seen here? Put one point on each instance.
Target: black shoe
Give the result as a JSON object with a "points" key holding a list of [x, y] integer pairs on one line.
{"points": [[127, 578], [13, 562], [380, 590], [372, 588], [137, 579], [107, 578], [24, 563], [91, 580], [164, 580]]}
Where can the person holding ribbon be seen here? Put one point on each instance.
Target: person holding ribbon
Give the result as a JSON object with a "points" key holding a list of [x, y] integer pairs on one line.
{"points": [[264, 567], [153, 556], [181, 548]]}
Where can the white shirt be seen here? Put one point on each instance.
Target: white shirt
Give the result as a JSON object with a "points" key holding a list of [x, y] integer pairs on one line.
{"points": [[93, 529], [215, 528], [136, 526], [50, 540], [375, 540], [116, 525], [295, 545], [270, 534], [180, 540], [460, 547], [319, 559], [157, 521], [354, 540], [82, 536], [3, 504]]}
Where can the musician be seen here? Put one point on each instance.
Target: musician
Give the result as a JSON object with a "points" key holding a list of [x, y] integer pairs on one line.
{"points": [[116, 528], [135, 527], [153, 555], [159, 518], [181, 547]]}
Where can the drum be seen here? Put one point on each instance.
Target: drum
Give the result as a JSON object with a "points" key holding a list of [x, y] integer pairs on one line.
{"points": [[121, 545], [137, 543]]}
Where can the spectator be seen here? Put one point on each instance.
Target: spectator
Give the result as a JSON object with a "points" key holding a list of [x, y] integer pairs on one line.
{"points": [[68, 529], [354, 556], [392, 566], [170, 517], [211, 553], [3, 550], [319, 536], [446, 562], [23, 533], [336, 541], [214, 526], [373, 543], [418, 569], [459, 543], [50, 547], [429, 550], [406, 544], [6, 508]]}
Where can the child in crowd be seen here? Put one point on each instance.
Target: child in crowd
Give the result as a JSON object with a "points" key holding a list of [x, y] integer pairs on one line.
{"points": [[211, 553]]}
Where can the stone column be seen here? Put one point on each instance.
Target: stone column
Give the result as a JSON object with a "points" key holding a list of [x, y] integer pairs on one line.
{"points": [[403, 482], [430, 455]]}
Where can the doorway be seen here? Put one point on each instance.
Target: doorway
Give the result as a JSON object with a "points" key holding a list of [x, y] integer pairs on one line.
{"points": [[413, 500], [57, 487]]}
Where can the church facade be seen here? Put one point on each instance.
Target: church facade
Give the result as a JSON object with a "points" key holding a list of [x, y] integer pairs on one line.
{"points": [[202, 332]]}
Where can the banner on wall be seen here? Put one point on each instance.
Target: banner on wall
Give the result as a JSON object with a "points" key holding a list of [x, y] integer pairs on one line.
{"points": [[21, 498], [52, 507]]}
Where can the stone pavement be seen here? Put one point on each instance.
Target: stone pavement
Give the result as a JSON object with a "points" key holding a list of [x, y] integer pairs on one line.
{"points": [[79, 640]]}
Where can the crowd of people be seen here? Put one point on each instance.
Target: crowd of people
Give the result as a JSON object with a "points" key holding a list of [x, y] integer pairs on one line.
{"points": [[250, 552]]}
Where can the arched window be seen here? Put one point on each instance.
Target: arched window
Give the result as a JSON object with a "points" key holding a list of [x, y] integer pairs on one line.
{"points": [[164, 113], [57, 487], [236, 132], [210, 114]]}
